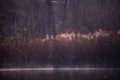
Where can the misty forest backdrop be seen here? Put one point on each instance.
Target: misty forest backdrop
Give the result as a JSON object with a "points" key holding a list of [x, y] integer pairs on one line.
{"points": [[59, 33]]}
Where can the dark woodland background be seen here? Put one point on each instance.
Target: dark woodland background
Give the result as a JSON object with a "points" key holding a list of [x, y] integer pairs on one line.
{"points": [[23, 23]]}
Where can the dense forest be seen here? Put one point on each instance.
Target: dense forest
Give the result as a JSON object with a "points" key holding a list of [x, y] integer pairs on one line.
{"points": [[59, 33]]}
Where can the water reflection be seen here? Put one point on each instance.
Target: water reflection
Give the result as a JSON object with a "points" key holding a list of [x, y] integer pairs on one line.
{"points": [[61, 75]]}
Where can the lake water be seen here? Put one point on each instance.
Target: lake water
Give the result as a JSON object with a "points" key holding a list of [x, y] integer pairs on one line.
{"points": [[61, 75]]}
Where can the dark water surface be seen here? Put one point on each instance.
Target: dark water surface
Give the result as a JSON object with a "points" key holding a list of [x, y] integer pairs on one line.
{"points": [[61, 75]]}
